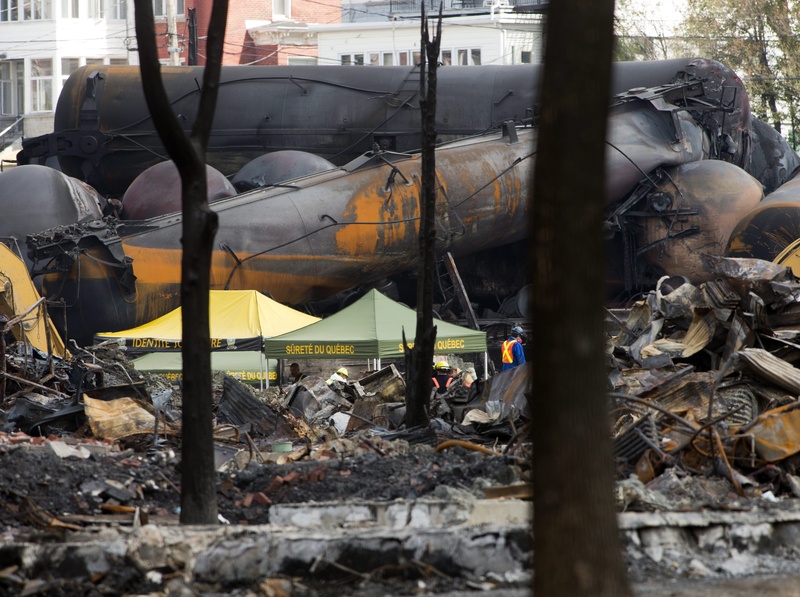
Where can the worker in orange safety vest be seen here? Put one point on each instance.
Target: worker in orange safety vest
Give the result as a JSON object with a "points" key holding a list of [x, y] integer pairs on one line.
{"points": [[512, 353], [442, 378]]}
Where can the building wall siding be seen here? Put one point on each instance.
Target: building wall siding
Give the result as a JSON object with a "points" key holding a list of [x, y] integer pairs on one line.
{"points": [[332, 45]]}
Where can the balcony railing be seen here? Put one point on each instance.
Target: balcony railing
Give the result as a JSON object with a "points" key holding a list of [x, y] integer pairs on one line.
{"points": [[380, 10], [8, 135], [11, 133]]}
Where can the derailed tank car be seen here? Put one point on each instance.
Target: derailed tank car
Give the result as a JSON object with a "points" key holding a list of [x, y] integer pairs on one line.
{"points": [[306, 239], [329, 230], [104, 134]]}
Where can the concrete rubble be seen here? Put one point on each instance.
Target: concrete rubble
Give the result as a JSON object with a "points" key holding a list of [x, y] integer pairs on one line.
{"points": [[225, 556]]}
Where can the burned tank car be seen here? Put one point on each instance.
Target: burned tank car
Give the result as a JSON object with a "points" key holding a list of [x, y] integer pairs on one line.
{"points": [[33, 198], [104, 134], [300, 242]]}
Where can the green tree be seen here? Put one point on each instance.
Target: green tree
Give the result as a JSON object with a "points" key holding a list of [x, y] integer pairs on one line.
{"points": [[641, 31], [759, 40]]}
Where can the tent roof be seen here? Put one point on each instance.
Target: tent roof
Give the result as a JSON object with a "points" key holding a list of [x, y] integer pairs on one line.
{"points": [[372, 327], [233, 315]]}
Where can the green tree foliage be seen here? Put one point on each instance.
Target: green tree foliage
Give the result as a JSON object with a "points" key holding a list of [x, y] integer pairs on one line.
{"points": [[759, 40], [641, 31]]}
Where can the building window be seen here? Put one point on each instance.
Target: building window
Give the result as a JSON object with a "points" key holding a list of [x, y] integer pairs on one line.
{"points": [[352, 59], [70, 9], [281, 9], [6, 90], [118, 61], [403, 58], [471, 57], [118, 9], [447, 57], [9, 10], [36, 10], [526, 57], [301, 61], [160, 7], [41, 84], [68, 66]]}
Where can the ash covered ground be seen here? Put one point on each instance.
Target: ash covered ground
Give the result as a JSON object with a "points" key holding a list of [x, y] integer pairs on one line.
{"points": [[51, 486], [37, 486], [67, 486]]}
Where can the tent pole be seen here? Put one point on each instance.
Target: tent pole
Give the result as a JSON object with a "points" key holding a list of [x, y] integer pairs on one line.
{"points": [[485, 365], [264, 374]]}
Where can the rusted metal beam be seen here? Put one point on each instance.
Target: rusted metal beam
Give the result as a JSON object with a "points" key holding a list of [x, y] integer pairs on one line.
{"points": [[460, 291]]}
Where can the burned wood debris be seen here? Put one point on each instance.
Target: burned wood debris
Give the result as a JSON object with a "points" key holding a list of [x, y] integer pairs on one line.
{"points": [[703, 381], [94, 405], [96, 393]]}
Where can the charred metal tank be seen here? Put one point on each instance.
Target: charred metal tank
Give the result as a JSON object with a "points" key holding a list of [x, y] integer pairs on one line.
{"points": [[695, 206], [297, 242], [278, 166], [675, 129], [33, 198], [104, 134], [770, 228], [679, 178], [157, 191]]}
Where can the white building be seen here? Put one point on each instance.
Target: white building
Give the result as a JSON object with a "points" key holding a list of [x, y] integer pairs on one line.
{"points": [[43, 41], [491, 34]]}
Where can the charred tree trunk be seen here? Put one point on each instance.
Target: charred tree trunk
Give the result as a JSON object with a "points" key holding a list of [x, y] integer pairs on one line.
{"points": [[198, 474], [419, 359], [577, 548]]}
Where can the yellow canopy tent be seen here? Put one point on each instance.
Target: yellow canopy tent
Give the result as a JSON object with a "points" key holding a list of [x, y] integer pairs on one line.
{"points": [[239, 321]]}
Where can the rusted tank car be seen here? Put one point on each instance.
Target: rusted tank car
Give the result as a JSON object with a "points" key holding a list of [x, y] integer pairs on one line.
{"points": [[303, 240], [676, 129], [103, 133], [769, 228]]}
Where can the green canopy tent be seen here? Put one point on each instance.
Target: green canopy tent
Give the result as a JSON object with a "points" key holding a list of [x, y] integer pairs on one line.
{"points": [[239, 320], [371, 328]]}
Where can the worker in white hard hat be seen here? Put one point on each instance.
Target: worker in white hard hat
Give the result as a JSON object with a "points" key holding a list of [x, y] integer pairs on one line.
{"points": [[340, 375], [512, 353]]}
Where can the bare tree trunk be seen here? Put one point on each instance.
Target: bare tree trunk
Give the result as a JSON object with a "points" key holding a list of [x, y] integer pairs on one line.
{"points": [[418, 389], [577, 549], [198, 474]]}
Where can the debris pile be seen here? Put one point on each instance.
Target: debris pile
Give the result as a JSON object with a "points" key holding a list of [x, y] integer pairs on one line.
{"points": [[703, 381], [97, 407]]}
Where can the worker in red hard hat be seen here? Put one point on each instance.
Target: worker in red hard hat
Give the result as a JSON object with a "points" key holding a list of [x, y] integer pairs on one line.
{"points": [[512, 353]]}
